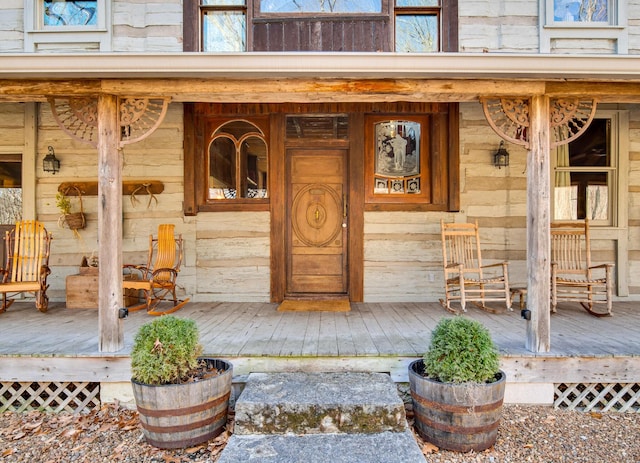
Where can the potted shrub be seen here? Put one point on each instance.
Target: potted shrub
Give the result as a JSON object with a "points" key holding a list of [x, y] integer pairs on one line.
{"points": [[182, 398], [457, 388]]}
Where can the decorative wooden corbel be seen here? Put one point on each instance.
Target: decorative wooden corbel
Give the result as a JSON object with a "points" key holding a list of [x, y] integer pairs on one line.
{"points": [[568, 118]]}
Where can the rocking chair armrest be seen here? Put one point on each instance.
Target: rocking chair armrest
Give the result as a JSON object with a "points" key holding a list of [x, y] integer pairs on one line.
{"points": [[454, 268], [499, 264], [141, 270], [608, 268], [453, 265], [44, 272], [133, 266], [4, 274], [173, 271], [605, 266]]}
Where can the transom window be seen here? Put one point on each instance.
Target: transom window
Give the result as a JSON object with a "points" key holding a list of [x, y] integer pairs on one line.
{"points": [[320, 6], [237, 162]]}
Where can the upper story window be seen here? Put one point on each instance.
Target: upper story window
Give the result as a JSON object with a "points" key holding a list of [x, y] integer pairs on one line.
{"points": [[67, 25], [70, 13], [320, 6], [237, 162], [582, 11], [404, 26], [417, 26], [583, 26], [224, 25]]}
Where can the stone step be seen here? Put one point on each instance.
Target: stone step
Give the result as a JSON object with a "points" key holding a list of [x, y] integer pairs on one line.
{"points": [[385, 447], [313, 403]]}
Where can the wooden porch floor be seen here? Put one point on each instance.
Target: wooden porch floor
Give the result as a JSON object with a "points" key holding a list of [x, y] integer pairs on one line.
{"points": [[382, 337]]}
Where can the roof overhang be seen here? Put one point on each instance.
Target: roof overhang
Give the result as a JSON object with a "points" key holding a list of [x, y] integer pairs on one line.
{"points": [[322, 65], [319, 77]]}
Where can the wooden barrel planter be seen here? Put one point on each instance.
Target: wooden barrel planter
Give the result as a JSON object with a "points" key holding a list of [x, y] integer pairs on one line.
{"points": [[459, 417], [181, 415]]}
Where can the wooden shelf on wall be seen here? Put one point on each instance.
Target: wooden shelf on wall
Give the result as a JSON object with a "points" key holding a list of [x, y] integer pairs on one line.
{"points": [[137, 187]]}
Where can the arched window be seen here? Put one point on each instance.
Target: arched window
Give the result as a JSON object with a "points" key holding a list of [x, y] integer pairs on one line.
{"points": [[238, 162]]}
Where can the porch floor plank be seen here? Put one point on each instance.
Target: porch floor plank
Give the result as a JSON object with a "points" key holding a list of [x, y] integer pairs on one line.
{"points": [[369, 329]]}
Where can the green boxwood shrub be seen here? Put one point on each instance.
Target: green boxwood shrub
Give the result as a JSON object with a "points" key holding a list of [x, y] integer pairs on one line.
{"points": [[165, 351], [461, 351]]}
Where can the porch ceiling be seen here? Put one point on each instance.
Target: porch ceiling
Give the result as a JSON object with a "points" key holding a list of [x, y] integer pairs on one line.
{"points": [[319, 77]]}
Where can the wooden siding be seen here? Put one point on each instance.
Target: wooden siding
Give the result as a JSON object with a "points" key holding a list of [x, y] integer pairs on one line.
{"points": [[370, 34], [147, 26], [11, 20], [483, 26], [232, 256], [12, 127]]}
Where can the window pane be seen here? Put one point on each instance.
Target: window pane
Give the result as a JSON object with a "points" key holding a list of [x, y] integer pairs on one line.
{"points": [[254, 150], [70, 13], [586, 196], [224, 31], [591, 148], [10, 188], [417, 3], [581, 10], [416, 33], [222, 169], [223, 2], [320, 6], [397, 165]]}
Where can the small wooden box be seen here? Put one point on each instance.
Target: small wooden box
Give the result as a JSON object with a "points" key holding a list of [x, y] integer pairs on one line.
{"points": [[82, 291]]}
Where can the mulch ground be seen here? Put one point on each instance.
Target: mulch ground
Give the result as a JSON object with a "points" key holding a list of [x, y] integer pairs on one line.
{"points": [[527, 434]]}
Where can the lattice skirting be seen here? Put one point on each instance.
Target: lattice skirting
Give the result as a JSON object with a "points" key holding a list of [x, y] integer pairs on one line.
{"points": [[601, 397], [49, 397]]}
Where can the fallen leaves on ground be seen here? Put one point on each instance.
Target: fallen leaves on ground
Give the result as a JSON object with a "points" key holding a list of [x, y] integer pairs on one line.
{"points": [[110, 434]]}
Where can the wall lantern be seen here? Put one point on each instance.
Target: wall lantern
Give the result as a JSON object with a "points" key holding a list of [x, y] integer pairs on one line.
{"points": [[501, 157], [50, 163]]}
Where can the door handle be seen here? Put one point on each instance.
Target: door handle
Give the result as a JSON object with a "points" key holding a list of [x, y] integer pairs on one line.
{"points": [[344, 210], [344, 205]]}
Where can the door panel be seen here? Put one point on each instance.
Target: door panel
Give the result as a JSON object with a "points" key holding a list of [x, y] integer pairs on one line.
{"points": [[316, 225]]}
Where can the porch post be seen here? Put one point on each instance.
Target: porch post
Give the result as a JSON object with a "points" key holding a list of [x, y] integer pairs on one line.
{"points": [[109, 225], [538, 228]]}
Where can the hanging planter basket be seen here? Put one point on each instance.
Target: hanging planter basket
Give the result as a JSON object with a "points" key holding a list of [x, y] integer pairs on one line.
{"points": [[75, 220]]}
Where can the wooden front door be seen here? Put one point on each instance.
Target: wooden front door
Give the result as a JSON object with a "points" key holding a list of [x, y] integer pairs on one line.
{"points": [[316, 223]]}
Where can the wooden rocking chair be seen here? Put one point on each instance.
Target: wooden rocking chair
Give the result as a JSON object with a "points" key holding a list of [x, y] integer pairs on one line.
{"points": [[573, 278], [157, 279], [27, 266], [466, 279]]}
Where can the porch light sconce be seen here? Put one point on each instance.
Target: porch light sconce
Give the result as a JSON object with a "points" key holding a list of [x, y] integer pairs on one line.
{"points": [[501, 157], [50, 163]]}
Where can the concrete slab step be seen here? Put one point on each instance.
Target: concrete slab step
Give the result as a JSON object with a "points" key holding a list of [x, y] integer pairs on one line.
{"points": [[386, 447], [313, 403]]}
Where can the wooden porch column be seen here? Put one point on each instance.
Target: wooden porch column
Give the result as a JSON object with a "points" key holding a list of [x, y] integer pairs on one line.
{"points": [[109, 225], [538, 228]]}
